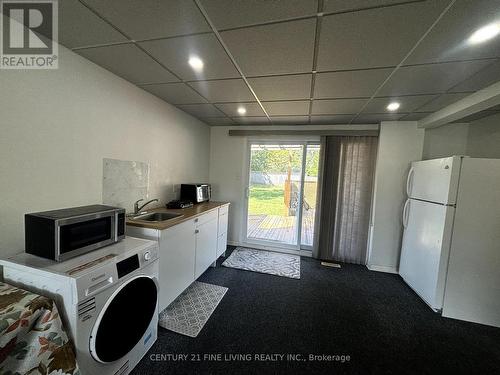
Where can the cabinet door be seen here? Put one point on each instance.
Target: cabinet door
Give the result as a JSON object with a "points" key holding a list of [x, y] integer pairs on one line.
{"points": [[177, 259], [221, 244], [206, 246], [222, 228]]}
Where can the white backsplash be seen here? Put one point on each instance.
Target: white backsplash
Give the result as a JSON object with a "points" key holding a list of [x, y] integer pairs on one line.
{"points": [[124, 182]]}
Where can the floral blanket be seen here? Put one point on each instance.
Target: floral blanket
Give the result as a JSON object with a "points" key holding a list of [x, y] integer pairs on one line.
{"points": [[32, 338]]}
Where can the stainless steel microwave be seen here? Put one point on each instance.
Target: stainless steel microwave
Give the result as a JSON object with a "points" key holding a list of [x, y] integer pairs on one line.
{"points": [[196, 193], [63, 234]]}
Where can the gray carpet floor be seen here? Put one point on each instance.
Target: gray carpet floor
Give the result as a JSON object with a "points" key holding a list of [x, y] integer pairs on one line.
{"points": [[373, 317]]}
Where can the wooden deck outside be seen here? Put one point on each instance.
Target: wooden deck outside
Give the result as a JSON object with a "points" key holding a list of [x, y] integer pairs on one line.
{"points": [[281, 228]]}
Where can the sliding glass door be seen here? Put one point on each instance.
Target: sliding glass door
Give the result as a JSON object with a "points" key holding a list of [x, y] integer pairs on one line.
{"points": [[281, 194], [311, 169]]}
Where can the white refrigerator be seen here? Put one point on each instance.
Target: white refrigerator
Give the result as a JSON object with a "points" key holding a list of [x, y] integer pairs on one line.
{"points": [[450, 252]]}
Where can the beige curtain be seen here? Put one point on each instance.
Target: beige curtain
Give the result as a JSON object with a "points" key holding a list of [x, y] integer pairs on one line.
{"points": [[348, 165]]}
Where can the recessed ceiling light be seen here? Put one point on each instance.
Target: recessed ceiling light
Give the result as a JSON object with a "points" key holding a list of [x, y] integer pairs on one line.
{"points": [[196, 63], [242, 110], [393, 106], [485, 33]]}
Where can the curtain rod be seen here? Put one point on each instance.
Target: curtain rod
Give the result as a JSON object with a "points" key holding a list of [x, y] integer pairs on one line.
{"points": [[358, 133]]}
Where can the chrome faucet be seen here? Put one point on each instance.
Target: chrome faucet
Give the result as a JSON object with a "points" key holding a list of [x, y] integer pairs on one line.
{"points": [[138, 209]]}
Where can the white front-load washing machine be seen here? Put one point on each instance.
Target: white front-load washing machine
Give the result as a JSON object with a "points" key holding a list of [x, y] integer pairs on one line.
{"points": [[108, 300]]}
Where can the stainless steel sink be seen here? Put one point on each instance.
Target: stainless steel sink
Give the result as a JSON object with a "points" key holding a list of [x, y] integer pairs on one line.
{"points": [[157, 216]]}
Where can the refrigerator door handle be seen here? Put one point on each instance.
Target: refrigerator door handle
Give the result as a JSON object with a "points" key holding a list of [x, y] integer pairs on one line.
{"points": [[409, 181], [405, 213]]}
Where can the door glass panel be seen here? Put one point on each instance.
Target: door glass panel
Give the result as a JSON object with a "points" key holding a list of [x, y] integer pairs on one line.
{"points": [[310, 191], [274, 192], [78, 235]]}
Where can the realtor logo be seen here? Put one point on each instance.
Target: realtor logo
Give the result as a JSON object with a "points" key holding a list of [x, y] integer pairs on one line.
{"points": [[29, 34]]}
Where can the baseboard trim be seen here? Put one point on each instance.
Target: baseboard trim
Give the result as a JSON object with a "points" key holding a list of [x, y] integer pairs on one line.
{"points": [[385, 269]]}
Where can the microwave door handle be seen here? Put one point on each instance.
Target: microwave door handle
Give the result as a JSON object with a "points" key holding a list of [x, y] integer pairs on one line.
{"points": [[58, 243], [114, 228]]}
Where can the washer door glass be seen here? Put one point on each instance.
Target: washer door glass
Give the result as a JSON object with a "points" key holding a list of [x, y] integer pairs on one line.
{"points": [[125, 320]]}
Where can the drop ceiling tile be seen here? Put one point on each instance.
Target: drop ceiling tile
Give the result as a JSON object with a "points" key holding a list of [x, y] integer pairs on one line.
{"points": [[407, 103], [441, 101], [415, 116], [218, 121], [331, 119], [201, 110], [129, 62], [429, 79], [350, 5], [174, 53], [448, 40], [352, 84], [147, 19], [229, 13], [79, 27], [337, 106], [485, 77], [282, 87], [259, 120], [375, 118], [280, 48], [372, 38], [290, 120], [288, 108], [231, 109], [175, 93], [228, 90]]}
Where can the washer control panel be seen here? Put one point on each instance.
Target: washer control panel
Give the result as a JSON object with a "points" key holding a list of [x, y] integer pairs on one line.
{"points": [[127, 265]]}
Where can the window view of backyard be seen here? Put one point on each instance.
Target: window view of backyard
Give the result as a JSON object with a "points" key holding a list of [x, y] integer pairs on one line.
{"points": [[274, 193]]}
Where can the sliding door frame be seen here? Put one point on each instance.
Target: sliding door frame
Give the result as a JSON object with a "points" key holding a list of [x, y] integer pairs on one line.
{"points": [[297, 248]]}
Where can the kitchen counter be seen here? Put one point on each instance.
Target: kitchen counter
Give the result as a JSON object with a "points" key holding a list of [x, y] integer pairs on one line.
{"points": [[187, 214]]}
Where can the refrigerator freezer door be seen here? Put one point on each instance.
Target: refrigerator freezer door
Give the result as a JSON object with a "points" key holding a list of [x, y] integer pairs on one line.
{"points": [[434, 180], [425, 250], [473, 284]]}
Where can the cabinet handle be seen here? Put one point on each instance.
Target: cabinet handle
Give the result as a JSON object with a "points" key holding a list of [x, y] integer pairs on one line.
{"points": [[196, 231]]}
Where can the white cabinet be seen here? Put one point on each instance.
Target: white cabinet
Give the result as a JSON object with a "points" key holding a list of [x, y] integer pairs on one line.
{"points": [[222, 230], [177, 259], [186, 250], [206, 244], [177, 246]]}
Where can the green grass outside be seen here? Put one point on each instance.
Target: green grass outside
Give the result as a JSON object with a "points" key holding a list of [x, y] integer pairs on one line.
{"points": [[268, 200]]}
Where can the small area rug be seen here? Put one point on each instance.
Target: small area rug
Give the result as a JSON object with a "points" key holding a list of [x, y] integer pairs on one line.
{"points": [[270, 262], [191, 310]]}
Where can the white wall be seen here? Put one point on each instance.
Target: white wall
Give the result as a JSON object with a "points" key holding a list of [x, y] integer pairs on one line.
{"points": [[400, 143], [445, 141], [484, 138], [228, 159], [478, 139], [57, 126], [227, 175]]}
